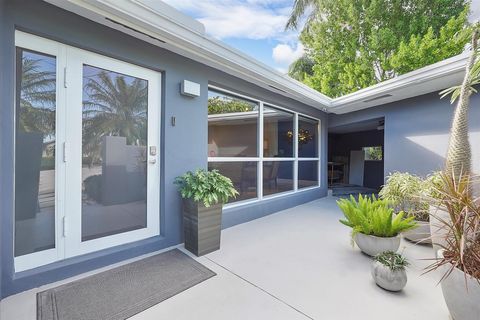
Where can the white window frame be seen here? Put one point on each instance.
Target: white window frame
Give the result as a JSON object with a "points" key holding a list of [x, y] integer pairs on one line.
{"points": [[260, 159]]}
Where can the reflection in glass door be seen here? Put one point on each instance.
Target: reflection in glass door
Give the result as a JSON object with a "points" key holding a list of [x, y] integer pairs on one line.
{"points": [[114, 153], [35, 153], [113, 174], [87, 166]]}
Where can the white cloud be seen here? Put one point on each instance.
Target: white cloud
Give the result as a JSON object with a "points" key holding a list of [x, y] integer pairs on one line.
{"points": [[285, 54], [251, 19]]}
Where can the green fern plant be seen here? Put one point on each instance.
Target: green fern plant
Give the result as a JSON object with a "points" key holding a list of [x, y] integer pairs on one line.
{"points": [[372, 216], [208, 187]]}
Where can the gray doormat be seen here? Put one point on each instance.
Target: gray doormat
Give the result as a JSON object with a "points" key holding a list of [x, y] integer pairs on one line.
{"points": [[124, 291]]}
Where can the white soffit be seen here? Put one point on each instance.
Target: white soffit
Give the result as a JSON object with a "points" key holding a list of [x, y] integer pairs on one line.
{"points": [[157, 23]]}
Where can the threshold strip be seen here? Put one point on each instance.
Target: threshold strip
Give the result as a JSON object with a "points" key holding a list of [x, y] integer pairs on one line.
{"points": [[260, 288]]}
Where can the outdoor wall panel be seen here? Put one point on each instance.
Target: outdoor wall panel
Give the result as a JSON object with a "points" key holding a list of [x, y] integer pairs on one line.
{"points": [[184, 143]]}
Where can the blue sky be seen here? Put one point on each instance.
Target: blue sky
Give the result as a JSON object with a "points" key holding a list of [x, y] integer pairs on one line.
{"points": [[255, 27]]}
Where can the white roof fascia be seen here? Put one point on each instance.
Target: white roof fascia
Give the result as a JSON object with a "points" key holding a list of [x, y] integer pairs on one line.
{"points": [[432, 78], [153, 20], [158, 20]]}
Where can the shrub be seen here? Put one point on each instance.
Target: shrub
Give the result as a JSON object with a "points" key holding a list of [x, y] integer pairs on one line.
{"points": [[406, 192], [372, 216], [392, 260], [209, 187]]}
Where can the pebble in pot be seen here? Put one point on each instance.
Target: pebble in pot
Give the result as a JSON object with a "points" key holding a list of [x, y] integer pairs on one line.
{"points": [[388, 271]]}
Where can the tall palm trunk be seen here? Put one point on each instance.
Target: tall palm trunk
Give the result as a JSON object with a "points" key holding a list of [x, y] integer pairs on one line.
{"points": [[459, 154]]}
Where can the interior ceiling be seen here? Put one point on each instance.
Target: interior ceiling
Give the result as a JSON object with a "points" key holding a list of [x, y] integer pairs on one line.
{"points": [[367, 125]]}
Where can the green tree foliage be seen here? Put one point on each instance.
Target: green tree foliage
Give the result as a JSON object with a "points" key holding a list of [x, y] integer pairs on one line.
{"points": [[358, 43], [218, 105]]}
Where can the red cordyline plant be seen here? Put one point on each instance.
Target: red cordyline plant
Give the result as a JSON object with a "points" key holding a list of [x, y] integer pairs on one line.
{"points": [[462, 225]]}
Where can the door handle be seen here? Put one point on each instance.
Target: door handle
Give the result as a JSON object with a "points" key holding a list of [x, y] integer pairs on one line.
{"points": [[152, 161]]}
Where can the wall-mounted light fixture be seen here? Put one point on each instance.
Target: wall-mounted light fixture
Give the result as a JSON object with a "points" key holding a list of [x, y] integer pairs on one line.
{"points": [[189, 88]]}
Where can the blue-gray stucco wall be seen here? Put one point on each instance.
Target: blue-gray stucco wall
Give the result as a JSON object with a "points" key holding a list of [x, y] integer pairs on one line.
{"points": [[417, 131], [184, 146]]}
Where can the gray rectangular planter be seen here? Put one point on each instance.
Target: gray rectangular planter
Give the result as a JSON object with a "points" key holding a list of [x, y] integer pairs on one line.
{"points": [[201, 226]]}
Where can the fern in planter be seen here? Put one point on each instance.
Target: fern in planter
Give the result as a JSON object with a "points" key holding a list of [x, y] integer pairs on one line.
{"points": [[207, 187], [372, 216]]}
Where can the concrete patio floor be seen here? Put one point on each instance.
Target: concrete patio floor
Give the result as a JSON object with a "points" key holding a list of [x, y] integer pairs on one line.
{"points": [[295, 264]]}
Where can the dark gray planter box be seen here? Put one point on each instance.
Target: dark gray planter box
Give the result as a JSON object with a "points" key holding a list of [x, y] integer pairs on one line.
{"points": [[201, 226]]}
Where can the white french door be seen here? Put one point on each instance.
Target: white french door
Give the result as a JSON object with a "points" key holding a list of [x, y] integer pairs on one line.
{"points": [[102, 179]]}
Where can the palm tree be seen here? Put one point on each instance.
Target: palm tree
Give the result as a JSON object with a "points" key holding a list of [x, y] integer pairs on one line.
{"points": [[301, 67], [299, 9], [116, 106], [37, 97]]}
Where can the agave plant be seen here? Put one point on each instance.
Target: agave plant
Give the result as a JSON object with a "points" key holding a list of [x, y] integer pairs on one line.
{"points": [[372, 216], [394, 261]]}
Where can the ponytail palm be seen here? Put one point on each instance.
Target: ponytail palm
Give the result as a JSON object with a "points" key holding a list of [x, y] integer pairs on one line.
{"points": [[459, 153]]}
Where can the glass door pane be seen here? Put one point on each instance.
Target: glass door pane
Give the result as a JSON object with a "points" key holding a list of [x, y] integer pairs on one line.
{"points": [[114, 153], [35, 152]]}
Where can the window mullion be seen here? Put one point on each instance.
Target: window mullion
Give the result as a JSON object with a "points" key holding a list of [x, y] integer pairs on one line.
{"points": [[295, 151], [260, 153]]}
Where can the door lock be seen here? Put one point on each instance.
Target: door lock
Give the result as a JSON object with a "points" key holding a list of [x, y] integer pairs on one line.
{"points": [[153, 150]]}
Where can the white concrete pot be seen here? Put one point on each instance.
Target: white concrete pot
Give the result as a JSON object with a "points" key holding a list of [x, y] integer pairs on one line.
{"points": [[373, 245], [438, 230], [463, 304], [388, 279], [421, 234]]}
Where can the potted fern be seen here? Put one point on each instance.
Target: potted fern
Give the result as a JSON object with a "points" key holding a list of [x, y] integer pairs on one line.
{"points": [[406, 192], [204, 193], [375, 228], [388, 271]]}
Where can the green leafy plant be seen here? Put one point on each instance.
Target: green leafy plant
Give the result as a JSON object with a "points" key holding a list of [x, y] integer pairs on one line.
{"points": [[372, 216], [208, 187], [406, 192], [394, 261]]}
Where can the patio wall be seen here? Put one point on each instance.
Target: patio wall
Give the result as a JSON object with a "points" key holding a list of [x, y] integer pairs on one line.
{"points": [[417, 131], [183, 147]]}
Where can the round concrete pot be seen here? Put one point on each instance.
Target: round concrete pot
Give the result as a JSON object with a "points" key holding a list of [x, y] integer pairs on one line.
{"points": [[421, 234], [438, 229], [388, 279], [373, 245], [463, 304]]}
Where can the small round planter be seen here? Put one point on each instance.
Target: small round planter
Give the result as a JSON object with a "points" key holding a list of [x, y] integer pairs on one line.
{"points": [[463, 304], [420, 234], [388, 279], [373, 245]]}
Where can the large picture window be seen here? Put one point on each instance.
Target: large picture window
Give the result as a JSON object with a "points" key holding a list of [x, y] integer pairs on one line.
{"points": [[264, 149]]}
